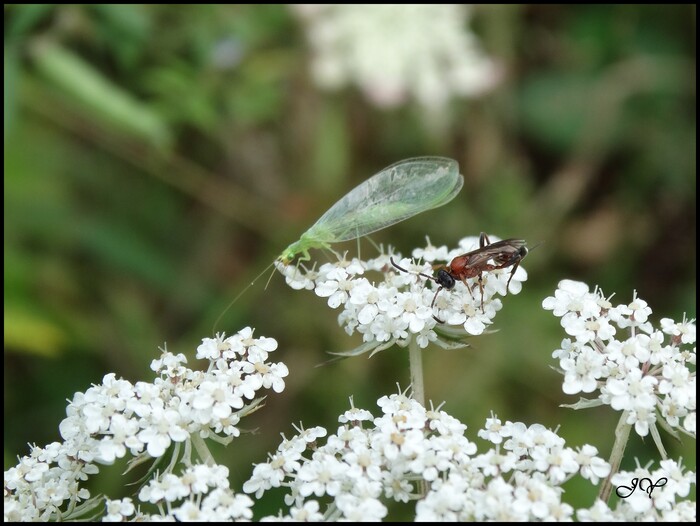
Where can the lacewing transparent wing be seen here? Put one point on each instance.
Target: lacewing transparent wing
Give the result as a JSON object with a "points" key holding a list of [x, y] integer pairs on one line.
{"points": [[398, 192]]}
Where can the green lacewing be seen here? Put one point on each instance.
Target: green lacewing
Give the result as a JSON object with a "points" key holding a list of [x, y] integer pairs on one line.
{"points": [[398, 192]]}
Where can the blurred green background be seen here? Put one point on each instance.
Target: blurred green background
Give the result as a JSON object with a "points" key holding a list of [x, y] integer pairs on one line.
{"points": [[157, 158]]}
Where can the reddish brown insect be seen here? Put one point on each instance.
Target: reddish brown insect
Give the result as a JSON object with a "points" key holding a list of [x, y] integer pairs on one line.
{"points": [[506, 253]]}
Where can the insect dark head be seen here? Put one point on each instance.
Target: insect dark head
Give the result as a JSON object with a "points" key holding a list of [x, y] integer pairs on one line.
{"points": [[444, 279], [523, 252]]}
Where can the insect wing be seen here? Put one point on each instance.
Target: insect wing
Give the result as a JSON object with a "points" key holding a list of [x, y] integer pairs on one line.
{"points": [[501, 252], [508, 251], [398, 192]]}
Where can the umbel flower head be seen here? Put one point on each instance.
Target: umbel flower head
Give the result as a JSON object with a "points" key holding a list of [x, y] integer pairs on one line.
{"points": [[632, 366], [370, 461], [388, 306], [167, 417], [394, 53]]}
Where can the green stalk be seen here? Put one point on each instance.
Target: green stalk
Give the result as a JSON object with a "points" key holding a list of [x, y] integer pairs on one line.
{"points": [[415, 359], [202, 450], [622, 433]]}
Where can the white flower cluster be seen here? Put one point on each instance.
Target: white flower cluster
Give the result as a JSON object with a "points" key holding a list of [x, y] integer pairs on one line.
{"points": [[180, 407], [39, 486], [392, 456], [645, 373], [397, 307], [201, 493], [397, 52], [647, 496]]}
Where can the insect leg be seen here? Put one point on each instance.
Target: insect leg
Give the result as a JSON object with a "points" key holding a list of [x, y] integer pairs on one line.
{"points": [[484, 240], [469, 289], [432, 305], [435, 297], [481, 289], [337, 255], [512, 272], [305, 256], [296, 267]]}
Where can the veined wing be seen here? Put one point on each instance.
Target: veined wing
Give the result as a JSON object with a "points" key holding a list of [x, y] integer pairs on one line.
{"points": [[398, 192], [500, 252]]}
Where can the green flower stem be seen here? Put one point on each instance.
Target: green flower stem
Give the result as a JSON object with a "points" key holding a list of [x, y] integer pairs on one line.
{"points": [[202, 450], [415, 359], [622, 433]]}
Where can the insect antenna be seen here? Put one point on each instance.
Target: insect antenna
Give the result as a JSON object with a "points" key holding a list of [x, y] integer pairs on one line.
{"points": [[234, 300], [433, 278], [267, 283], [519, 258], [409, 272]]}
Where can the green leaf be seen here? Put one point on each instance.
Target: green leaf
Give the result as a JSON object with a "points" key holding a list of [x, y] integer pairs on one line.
{"points": [[101, 98], [31, 333]]}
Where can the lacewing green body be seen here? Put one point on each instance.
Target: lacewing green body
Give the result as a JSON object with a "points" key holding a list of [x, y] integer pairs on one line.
{"points": [[398, 192]]}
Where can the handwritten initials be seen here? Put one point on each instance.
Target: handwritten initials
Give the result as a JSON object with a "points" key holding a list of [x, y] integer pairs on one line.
{"points": [[639, 483]]}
